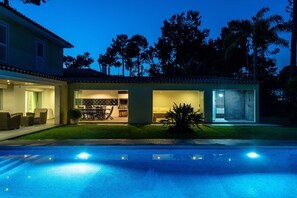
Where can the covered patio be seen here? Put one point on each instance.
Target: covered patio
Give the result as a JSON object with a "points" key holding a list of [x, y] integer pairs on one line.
{"points": [[22, 92]]}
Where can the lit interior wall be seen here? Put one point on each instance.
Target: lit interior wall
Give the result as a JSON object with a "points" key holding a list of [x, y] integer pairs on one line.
{"points": [[48, 101], [93, 94], [8, 99], [13, 99], [164, 100]]}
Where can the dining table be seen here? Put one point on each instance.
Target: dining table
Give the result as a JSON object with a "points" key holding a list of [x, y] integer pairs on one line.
{"points": [[94, 113]]}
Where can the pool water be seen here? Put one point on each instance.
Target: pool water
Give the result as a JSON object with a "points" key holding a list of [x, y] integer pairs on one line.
{"points": [[148, 171]]}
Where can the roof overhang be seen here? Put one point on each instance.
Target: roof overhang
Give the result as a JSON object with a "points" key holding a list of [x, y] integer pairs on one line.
{"points": [[30, 77]]}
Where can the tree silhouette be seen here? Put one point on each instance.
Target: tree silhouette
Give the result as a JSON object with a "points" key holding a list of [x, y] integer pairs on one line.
{"points": [[118, 51], [265, 31], [292, 10], [236, 46], [254, 37], [136, 52], [105, 61], [180, 48], [80, 62], [130, 54]]}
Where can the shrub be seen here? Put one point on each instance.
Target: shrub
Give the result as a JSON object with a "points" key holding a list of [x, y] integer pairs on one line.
{"points": [[74, 114], [182, 117]]}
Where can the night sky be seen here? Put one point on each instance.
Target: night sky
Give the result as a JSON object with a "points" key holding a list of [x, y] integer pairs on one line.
{"points": [[90, 25]]}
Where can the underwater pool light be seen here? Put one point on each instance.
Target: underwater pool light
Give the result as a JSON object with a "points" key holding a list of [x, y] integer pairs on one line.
{"points": [[252, 155], [83, 156]]}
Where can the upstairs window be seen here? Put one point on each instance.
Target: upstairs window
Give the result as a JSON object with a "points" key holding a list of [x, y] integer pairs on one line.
{"points": [[3, 42], [40, 55]]}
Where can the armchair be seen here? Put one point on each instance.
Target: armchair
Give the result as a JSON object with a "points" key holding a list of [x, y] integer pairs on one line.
{"points": [[40, 115], [9, 122]]}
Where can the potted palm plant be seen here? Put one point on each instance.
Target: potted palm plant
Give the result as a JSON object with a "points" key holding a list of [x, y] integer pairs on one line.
{"points": [[74, 115]]}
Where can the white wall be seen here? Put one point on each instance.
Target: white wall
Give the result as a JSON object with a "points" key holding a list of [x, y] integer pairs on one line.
{"points": [[93, 94], [20, 99], [48, 101], [8, 99], [14, 99]]}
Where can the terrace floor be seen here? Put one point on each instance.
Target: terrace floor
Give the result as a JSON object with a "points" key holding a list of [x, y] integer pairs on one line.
{"points": [[5, 135]]}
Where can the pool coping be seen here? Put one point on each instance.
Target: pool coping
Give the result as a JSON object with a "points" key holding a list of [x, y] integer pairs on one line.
{"points": [[132, 142]]}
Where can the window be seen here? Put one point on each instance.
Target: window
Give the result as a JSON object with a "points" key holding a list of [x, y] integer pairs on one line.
{"points": [[40, 54], [32, 100], [3, 42], [233, 105], [102, 105]]}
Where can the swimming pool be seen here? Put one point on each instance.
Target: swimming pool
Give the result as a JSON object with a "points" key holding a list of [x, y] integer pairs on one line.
{"points": [[148, 171]]}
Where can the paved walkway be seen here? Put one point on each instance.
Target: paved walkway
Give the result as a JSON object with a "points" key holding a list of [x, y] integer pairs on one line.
{"points": [[5, 135]]}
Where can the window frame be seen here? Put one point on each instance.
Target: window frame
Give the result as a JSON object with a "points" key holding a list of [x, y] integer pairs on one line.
{"points": [[40, 59], [5, 45]]}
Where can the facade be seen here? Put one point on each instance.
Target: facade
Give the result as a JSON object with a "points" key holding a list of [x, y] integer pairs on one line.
{"points": [[31, 66], [137, 100]]}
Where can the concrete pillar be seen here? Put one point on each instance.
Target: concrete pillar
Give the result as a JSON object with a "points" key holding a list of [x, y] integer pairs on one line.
{"points": [[140, 105], [208, 106], [57, 104]]}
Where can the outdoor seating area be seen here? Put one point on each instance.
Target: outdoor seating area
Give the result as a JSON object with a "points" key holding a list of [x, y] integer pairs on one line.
{"points": [[16, 120]]}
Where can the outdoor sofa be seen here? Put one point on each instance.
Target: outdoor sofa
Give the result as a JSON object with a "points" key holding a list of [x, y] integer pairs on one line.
{"points": [[10, 121]]}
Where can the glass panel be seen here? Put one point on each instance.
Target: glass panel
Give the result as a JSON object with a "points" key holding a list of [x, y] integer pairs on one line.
{"points": [[102, 105], [165, 99], [233, 105], [219, 105], [32, 100]]}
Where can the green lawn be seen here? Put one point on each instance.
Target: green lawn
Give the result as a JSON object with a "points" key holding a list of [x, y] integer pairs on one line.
{"points": [[159, 132]]}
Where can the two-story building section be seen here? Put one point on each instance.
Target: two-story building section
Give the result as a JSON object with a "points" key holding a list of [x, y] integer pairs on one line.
{"points": [[31, 66]]}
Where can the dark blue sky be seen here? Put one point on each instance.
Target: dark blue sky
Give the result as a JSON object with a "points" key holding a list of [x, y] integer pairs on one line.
{"points": [[90, 25]]}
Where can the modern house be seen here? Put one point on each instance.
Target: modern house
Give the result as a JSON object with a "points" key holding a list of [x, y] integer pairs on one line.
{"points": [[31, 76]]}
